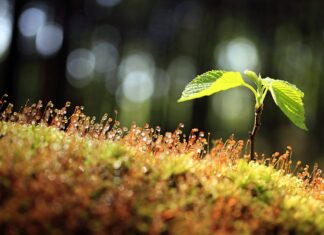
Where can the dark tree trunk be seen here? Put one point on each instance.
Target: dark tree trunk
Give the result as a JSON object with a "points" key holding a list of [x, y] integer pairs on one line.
{"points": [[205, 61], [11, 64], [53, 68]]}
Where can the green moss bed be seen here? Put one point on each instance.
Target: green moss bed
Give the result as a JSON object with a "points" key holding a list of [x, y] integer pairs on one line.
{"points": [[62, 175]]}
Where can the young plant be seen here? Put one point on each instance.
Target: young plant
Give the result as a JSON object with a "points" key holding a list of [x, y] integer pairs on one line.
{"points": [[287, 96]]}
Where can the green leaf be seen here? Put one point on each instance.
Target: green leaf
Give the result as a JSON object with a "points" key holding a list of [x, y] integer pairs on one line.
{"points": [[211, 82], [255, 78], [289, 99]]}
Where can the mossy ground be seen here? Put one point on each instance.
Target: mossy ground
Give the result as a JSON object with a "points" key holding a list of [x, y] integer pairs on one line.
{"points": [[63, 175]]}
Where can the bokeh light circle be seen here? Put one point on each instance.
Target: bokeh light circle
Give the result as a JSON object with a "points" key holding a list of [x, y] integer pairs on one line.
{"points": [[31, 20], [80, 65], [49, 39], [238, 54]]}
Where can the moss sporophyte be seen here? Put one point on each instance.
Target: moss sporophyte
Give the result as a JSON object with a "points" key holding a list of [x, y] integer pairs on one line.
{"points": [[286, 95]]}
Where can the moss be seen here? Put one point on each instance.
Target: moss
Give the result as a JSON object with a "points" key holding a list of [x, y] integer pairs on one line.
{"points": [[70, 175], [52, 182]]}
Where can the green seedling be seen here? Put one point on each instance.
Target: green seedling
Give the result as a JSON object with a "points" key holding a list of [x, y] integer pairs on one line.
{"points": [[286, 96]]}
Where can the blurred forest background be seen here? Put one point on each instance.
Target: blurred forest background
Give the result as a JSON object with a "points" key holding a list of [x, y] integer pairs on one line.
{"points": [[136, 56]]}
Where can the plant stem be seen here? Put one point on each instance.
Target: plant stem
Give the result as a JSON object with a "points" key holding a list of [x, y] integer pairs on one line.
{"points": [[256, 127]]}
